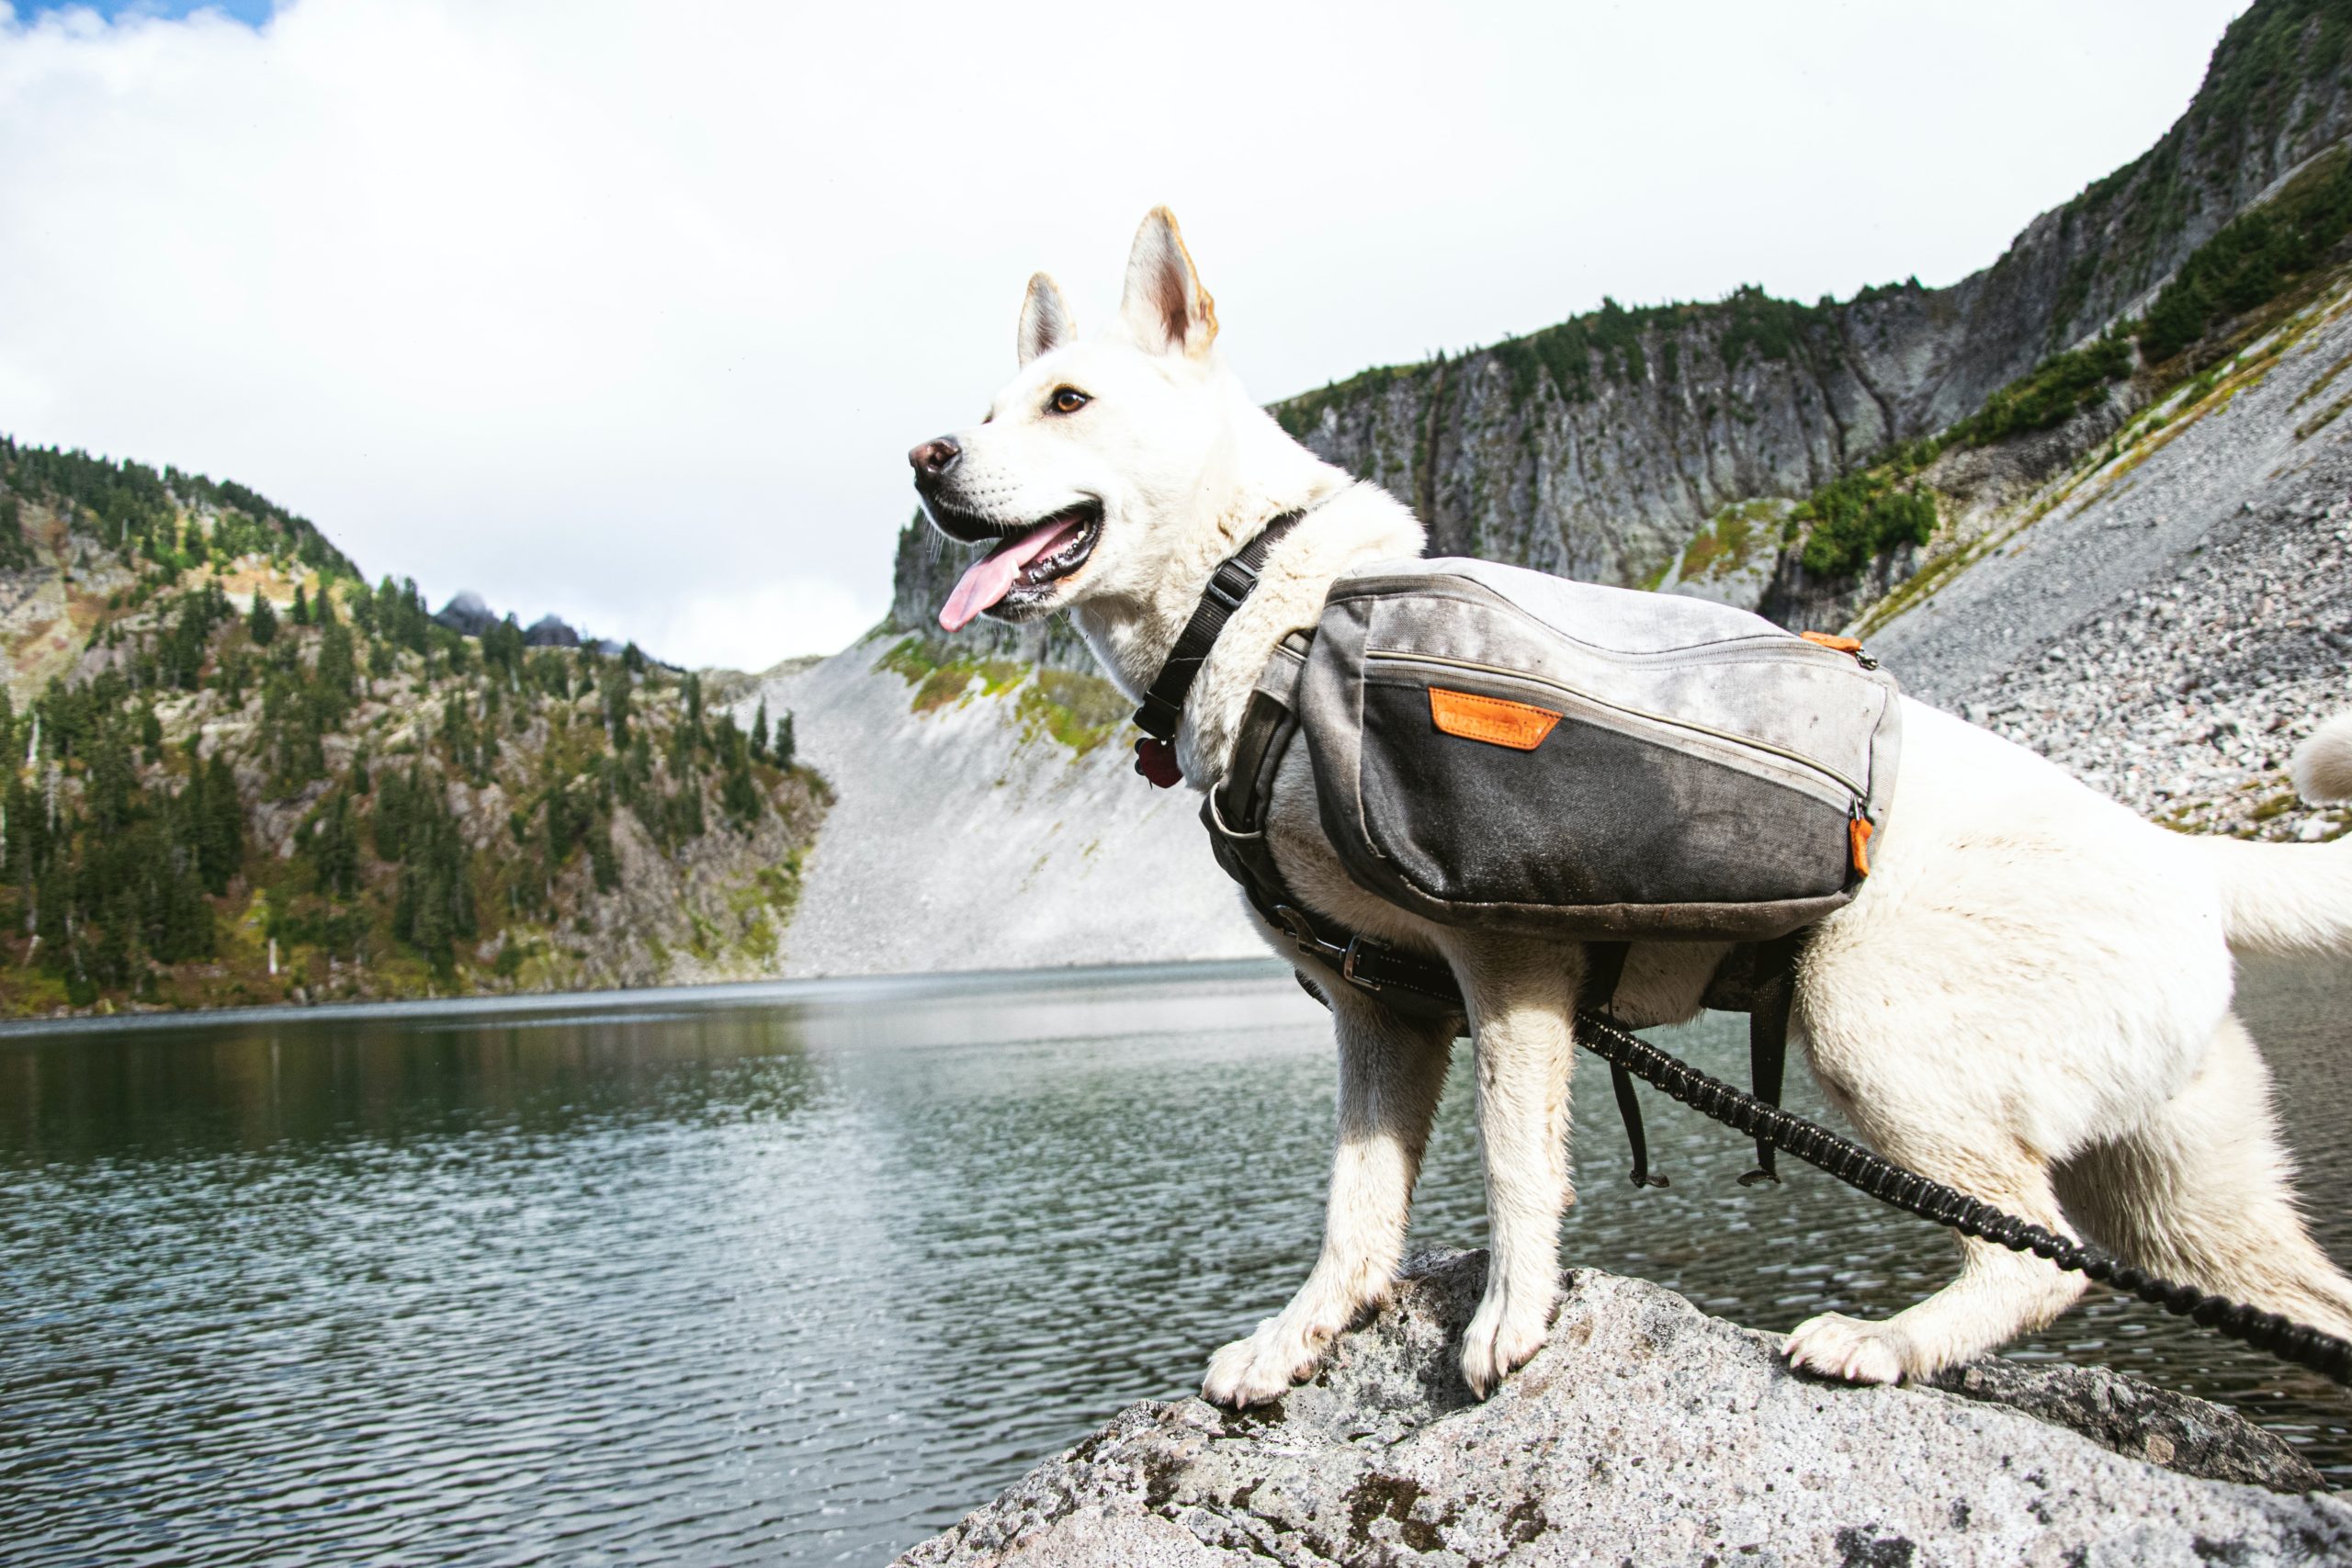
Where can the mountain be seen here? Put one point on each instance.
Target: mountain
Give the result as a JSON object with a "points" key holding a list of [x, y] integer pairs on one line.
{"points": [[1665, 445], [233, 772], [2093, 495], [468, 614]]}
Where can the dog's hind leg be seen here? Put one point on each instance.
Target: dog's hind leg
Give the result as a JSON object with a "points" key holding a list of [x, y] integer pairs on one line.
{"points": [[2201, 1194], [1520, 996], [1392, 1070], [1998, 1294]]}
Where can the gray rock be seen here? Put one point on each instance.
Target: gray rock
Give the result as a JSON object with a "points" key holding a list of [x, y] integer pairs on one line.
{"points": [[1647, 1432], [2140, 1420], [2175, 623]]}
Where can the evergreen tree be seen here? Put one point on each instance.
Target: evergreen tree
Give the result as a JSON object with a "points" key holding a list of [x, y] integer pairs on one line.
{"points": [[759, 733], [616, 710], [459, 734], [216, 819], [603, 866], [501, 650], [110, 781], [435, 907], [337, 675], [232, 673], [780, 751], [683, 815], [737, 792], [390, 817], [291, 730], [16, 550], [334, 849], [263, 620], [302, 616]]}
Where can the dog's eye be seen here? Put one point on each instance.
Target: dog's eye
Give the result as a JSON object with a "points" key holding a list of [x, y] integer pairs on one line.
{"points": [[1068, 399]]}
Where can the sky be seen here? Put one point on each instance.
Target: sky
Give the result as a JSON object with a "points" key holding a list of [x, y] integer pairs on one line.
{"points": [[629, 313]]}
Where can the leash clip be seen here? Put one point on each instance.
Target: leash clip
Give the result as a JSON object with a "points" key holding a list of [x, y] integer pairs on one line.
{"points": [[1347, 960], [1309, 941]]}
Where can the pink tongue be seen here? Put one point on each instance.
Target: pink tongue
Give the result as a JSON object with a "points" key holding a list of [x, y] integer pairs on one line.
{"points": [[990, 579]]}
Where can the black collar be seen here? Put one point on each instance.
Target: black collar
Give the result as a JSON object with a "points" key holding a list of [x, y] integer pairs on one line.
{"points": [[1163, 706]]}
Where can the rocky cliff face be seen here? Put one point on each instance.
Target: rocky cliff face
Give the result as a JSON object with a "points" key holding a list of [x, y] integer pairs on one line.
{"points": [[1645, 1431], [1597, 447]]}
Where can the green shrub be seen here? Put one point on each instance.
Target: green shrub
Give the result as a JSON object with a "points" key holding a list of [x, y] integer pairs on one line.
{"points": [[2253, 258], [1859, 518], [2057, 388]]}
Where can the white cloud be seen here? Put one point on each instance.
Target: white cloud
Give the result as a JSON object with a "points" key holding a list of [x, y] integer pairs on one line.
{"points": [[629, 313], [712, 626]]}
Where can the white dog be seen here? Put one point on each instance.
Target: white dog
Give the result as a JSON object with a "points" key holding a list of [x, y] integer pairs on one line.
{"points": [[2029, 999]]}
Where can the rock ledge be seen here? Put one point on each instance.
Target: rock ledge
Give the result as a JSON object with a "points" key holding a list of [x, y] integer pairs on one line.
{"points": [[1647, 1431]]}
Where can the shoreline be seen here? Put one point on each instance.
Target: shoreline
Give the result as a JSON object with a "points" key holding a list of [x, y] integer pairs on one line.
{"points": [[827, 989]]}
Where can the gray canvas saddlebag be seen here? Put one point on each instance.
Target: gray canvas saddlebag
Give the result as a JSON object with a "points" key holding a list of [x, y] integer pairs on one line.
{"points": [[1499, 748]]}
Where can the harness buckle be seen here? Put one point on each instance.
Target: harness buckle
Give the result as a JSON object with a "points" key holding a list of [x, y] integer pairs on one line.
{"points": [[1309, 941], [1348, 963], [1231, 584]]}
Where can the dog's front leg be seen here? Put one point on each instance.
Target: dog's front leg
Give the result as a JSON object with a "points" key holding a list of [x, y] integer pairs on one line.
{"points": [[1391, 1072], [1520, 998]]}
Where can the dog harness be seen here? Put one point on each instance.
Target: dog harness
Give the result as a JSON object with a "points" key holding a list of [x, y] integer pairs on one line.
{"points": [[1499, 750], [1727, 691]]}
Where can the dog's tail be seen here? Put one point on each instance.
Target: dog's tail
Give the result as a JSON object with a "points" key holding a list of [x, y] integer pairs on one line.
{"points": [[2322, 765], [2295, 900]]}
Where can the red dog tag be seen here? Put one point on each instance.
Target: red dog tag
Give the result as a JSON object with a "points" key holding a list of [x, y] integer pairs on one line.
{"points": [[1155, 759]]}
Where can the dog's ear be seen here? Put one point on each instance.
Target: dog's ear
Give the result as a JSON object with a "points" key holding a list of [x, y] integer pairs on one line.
{"points": [[1045, 322], [1165, 308]]}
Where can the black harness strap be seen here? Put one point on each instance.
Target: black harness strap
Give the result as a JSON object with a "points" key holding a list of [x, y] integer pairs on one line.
{"points": [[1768, 1035], [1163, 706], [1604, 966]]}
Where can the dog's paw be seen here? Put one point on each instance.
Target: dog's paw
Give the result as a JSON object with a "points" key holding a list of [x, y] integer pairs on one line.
{"points": [[1262, 1367], [1847, 1348], [1504, 1334]]}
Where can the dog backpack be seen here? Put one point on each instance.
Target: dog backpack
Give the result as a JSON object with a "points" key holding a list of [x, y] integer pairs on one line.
{"points": [[1499, 748]]}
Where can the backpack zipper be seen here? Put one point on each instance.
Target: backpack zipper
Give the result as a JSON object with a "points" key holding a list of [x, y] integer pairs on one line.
{"points": [[1400, 656]]}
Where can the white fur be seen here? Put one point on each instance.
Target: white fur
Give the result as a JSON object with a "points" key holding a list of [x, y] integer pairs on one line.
{"points": [[2028, 999], [2322, 765]]}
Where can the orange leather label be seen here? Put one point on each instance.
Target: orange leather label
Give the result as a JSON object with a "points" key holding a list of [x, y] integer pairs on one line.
{"points": [[1835, 644], [1858, 830], [1491, 719]]}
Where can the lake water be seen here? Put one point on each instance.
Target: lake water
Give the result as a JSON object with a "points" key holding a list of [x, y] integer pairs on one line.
{"points": [[796, 1275]]}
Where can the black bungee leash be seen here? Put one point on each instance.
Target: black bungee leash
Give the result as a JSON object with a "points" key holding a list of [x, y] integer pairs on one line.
{"points": [[1422, 985], [1906, 1190]]}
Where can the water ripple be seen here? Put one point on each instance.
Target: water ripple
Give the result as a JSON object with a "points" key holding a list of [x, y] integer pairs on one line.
{"points": [[773, 1281]]}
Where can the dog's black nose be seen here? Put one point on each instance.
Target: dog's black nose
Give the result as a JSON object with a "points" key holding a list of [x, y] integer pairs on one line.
{"points": [[933, 459]]}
